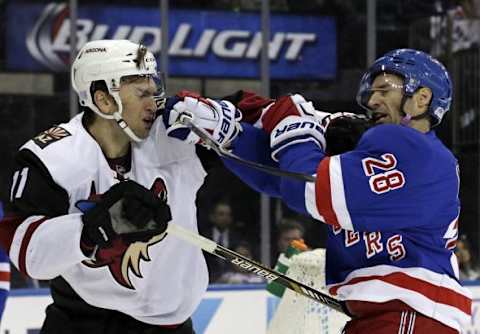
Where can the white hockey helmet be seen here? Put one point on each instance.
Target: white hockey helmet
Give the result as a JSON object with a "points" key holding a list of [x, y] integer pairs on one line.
{"points": [[110, 61]]}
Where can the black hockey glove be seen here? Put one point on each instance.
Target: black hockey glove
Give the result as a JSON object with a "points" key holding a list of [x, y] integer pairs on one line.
{"points": [[127, 210], [344, 132]]}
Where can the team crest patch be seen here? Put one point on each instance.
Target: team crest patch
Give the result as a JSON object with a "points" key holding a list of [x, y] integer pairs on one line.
{"points": [[123, 258], [51, 135]]}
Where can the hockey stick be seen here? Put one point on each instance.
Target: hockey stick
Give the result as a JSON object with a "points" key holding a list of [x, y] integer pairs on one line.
{"points": [[255, 267], [221, 151]]}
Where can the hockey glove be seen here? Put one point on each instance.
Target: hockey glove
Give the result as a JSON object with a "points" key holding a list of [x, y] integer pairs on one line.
{"points": [[285, 106], [219, 118], [251, 105], [343, 132], [127, 211], [294, 130], [333, 133]]}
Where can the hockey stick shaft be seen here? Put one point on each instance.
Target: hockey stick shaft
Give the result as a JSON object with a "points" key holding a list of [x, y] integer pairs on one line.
{"points": [[255, 267], [221, 151]]}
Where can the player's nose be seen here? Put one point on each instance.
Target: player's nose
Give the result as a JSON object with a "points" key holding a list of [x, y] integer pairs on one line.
{"points": [[374, 101], [151, 106]]}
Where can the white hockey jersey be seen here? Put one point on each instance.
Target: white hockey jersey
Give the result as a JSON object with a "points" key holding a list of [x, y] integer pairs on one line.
{"points": [[156, 282]]}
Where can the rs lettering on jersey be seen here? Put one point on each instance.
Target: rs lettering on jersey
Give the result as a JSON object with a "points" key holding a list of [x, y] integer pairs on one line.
{"points": [[375, 244], [384, 176], [51, 135], [351, 238], [395, 248]]}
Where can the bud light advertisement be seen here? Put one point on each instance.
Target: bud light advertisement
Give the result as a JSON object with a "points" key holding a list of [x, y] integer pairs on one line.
{"points": [[201, 43]]}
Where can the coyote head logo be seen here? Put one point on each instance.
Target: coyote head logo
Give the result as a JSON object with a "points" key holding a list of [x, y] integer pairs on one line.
{"points": [[124, 259]]}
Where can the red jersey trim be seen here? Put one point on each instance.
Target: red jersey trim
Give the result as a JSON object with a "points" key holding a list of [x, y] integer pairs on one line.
{"points": [[433, 292], [323, 193], [22, 258]]}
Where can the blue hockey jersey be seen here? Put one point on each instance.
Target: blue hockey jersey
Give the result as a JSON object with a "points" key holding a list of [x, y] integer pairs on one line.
{"points": [[392, 208], [4, 280]]}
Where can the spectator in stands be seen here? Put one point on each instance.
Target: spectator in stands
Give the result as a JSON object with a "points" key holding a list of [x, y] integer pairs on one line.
{"points": [[468, 268], [288, 230], [221, 229], [237, 275]]}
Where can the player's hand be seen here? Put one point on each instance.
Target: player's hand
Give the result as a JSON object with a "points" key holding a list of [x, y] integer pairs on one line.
{"points": [[292, 120], [219, 118], [294, 130], [251, 105], [343, 131], [334, 133], [127, 211], [289, 105]]}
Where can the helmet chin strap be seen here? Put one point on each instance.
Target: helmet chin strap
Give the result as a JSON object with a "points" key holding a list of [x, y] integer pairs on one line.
{"points": [[405, 121], [407, 118], [117, 115], [124, 126]]}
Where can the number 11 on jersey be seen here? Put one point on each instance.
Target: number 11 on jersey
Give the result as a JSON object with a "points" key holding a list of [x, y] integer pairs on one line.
{"points": [[18, 184]]}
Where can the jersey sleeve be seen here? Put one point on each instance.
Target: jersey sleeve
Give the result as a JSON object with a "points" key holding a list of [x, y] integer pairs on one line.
{"points": [[298, 195], [41, 238], [4, 280], [392, 180], [253, 144]]}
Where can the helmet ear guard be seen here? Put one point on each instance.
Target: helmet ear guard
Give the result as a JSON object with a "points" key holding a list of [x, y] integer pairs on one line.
{"points": [[418, 69], [111, 61]]}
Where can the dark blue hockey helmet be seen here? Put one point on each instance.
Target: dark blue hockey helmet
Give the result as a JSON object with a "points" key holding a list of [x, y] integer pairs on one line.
{"points": [[418, 69]]}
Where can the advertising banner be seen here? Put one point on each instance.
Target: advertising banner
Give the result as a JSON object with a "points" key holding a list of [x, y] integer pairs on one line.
{"points": [[202, 43], [223, 310]]}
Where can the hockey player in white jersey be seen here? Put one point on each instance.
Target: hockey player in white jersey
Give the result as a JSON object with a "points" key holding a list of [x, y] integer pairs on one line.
{"points": [[113, 270]]}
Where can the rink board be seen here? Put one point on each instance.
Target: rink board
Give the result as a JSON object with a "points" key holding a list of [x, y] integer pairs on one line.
{"points": [[224, 309]]}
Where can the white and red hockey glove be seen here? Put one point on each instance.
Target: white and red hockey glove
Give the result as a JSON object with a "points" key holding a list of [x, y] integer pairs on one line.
{"points": [[292, 120], [220, 118], [251, 105], [294, 130]]}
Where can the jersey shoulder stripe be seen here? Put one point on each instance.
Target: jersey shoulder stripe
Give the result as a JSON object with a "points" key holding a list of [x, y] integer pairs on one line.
{"points": [[360, 189], [329, 193], [4, 271]]}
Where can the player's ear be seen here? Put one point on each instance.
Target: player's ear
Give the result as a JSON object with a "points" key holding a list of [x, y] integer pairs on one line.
{"points": [[423, 97], [104, 102]]}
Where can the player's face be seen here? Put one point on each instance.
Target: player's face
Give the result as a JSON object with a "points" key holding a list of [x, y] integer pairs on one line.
{"points": [[138, 105], [386, 99]]}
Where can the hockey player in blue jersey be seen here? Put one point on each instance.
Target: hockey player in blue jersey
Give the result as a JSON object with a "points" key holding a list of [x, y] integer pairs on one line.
{"points": [[4, 280], [391, 204]]}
